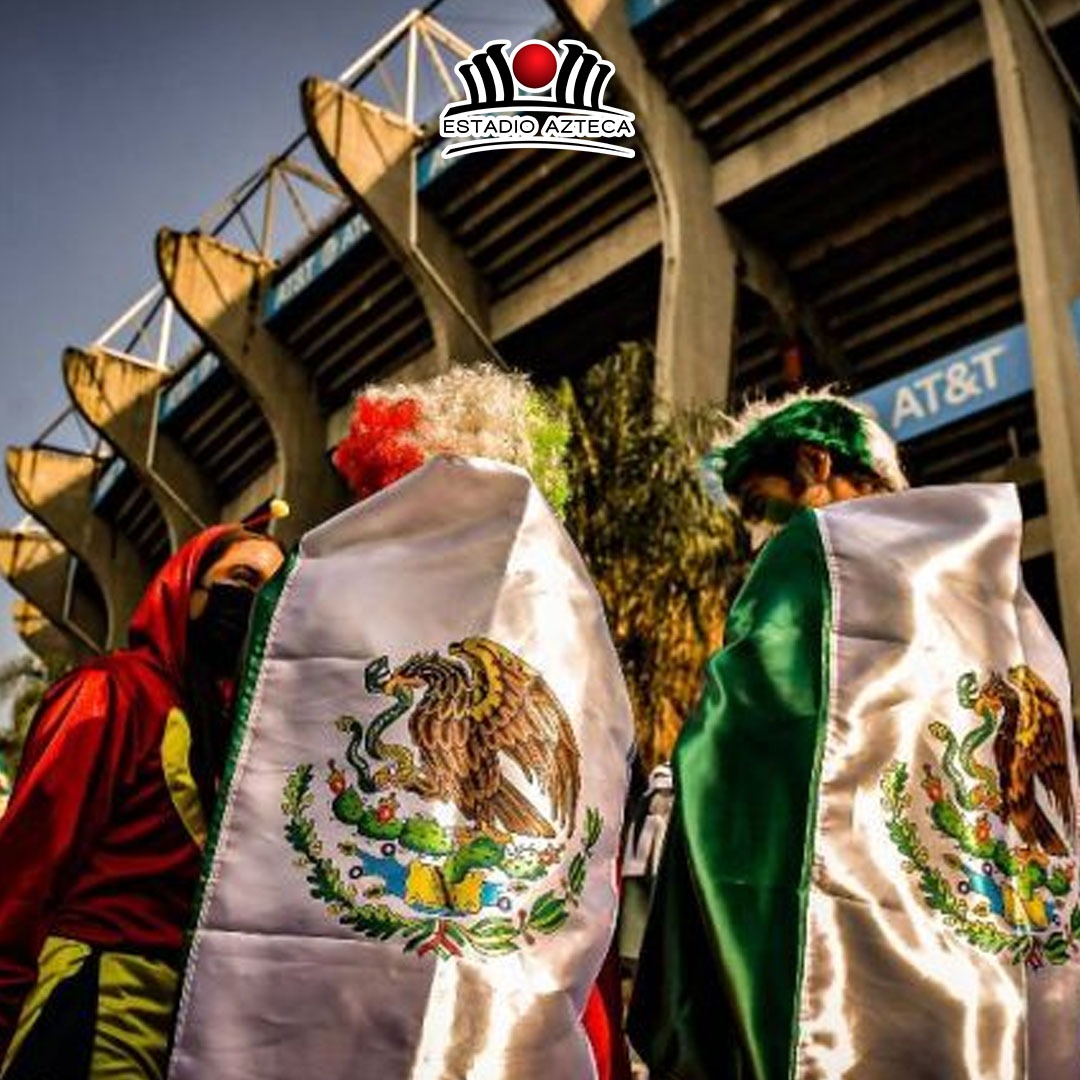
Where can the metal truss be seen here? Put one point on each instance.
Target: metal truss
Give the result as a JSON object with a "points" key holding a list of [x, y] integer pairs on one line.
{"points": [[277, 209]]}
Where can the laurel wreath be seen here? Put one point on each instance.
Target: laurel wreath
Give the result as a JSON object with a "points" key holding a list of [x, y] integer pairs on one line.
{"points": [[1056, 948], [445, 937]]}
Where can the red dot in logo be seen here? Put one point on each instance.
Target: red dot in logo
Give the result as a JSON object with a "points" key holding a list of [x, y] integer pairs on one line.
{"points": [[535, 64]]}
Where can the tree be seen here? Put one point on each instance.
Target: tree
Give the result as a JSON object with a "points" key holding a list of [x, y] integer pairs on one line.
{"points": [[663, 555], [23, 682]]}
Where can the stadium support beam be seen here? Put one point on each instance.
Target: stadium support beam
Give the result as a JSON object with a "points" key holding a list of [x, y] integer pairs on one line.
{"points": [[42, 636], [908, 80], [762, 273], [695, 333], [219, 289], [56, 486], [37, 566], [1034, 109], [370, 152], [119, 396]]}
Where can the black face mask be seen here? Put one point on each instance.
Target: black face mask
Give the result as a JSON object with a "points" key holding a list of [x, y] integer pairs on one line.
{"points": [[218, 634]]}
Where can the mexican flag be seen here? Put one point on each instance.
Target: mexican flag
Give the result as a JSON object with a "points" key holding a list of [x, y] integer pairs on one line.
{"points": [[871, 870], [413, 873]]}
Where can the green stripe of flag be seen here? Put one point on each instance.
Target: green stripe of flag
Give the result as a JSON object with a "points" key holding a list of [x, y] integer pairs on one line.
{"points": [[718, 983], [266, 604]]}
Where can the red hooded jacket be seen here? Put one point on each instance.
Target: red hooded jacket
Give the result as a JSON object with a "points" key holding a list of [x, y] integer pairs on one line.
{"points": [[92, 846]]}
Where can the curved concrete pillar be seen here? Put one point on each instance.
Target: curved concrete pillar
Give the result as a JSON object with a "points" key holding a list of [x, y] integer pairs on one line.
{"points": [[763, 274], [698, 283], [56, 488], [695, 331], [43, 637], [1036, 114], [370, 152], [219, 289], [37, 566], [119, 397]]}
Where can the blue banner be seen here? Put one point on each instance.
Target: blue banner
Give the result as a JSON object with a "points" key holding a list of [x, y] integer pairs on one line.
{"points": [[186, 385], [171, 400], [642, 10], [107, 481], [300, 277], [430, 163], [964, 383]]}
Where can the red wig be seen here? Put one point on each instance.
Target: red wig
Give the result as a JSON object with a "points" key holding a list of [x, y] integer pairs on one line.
{"points": [[380, 446]]}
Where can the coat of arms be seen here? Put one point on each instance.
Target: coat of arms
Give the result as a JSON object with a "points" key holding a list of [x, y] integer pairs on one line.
{"points": [[453, 808], [1004, 821]]}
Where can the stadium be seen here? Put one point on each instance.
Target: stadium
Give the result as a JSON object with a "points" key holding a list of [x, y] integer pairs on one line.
{"points": [[882, 195]]}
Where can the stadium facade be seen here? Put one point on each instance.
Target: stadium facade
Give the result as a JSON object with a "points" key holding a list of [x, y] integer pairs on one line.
{"points": [[882, 194]]}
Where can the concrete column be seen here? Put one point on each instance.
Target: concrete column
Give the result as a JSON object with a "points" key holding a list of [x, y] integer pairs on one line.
{"points": [[44, 637], [119, 397], [37, 566], [1034, 115], [219, 290], [765, 276], [56, 487], [370, 152], [695, 333]]}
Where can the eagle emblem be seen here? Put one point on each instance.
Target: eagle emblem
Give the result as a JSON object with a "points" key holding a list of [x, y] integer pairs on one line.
{"points": [[998, 863], [454, 804], [1030, 750]]}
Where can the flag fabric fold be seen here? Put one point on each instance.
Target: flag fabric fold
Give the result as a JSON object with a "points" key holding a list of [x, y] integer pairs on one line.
{"points": [[871, 869], [413, 874]]}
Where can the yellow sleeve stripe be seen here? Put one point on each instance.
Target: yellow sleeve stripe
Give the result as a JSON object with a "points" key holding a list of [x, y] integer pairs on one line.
{"points": [[176, 763]]}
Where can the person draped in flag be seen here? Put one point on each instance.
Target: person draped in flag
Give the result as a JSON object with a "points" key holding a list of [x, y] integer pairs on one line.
{"points": [[484, 412], [101, 843], [871, 865], [421, 831]]}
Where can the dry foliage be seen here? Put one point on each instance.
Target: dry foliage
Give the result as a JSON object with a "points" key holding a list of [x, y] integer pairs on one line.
{"points": [[662, 554]]}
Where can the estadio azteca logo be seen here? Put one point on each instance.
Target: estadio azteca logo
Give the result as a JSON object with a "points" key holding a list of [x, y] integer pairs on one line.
{"points": [[536, 96]]}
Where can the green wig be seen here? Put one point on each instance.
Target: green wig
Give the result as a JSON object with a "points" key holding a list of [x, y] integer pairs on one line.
{"points": [[817, 418]]}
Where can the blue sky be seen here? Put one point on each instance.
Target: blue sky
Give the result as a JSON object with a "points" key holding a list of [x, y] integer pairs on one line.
{"points": [[121, 116]]}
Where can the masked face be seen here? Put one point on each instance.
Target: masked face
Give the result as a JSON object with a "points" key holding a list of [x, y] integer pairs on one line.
{"points": [[221, 604], [220, 631]]}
